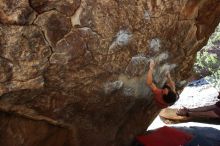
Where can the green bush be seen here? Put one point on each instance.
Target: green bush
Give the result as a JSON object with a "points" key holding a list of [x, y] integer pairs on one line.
{"points": [[207, 63]]}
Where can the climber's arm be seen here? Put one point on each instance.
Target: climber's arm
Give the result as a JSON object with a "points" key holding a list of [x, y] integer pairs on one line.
{"points": [[149, 78], [170, 82]]}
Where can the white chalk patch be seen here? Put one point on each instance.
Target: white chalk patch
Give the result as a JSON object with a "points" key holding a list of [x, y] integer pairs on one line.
{"points": [[112, 86], [161, 57], [122, 38], [167, 67], [135, 86], [10, 64], [139, 60], [155, 44], [137, 65], [85, 29], [88, 30], [146, 15], [129, 91], [172, 66]]}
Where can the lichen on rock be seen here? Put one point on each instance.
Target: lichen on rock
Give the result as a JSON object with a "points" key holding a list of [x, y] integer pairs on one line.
{"points": [[25, 54], [15, 12]]}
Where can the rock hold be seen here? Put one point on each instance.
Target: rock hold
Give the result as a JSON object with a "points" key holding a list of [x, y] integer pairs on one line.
{"points": [[137, 66], [155, 44], [112, 86], [122, 39]]}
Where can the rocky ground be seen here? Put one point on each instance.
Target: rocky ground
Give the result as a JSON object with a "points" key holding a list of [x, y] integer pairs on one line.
{"points": [[196, 94]]}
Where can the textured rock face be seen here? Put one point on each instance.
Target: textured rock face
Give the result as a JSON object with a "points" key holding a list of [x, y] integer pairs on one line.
{"points": [[24, 57], [76, 69], [30, 133]]}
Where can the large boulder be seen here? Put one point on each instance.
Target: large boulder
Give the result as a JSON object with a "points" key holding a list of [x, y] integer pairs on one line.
{"points": [[72, 73]]}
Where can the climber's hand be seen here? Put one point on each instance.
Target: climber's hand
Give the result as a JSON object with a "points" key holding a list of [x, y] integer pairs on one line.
{"points": [[168, 75], [152, 64]]}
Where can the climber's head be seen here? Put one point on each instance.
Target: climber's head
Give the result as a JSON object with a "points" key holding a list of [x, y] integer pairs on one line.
{"points": [[169, 96]]}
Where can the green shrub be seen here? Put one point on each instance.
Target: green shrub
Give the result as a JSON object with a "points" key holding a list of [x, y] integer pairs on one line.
{"points": [[207, 63]]}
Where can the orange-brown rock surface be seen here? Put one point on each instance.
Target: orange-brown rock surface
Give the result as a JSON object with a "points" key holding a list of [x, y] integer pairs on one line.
{"points": [[72, 72]]}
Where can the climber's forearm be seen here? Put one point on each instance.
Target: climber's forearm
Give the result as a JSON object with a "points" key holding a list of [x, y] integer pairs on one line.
{"points": [[169, 79], [149, 77], [171, 83]]}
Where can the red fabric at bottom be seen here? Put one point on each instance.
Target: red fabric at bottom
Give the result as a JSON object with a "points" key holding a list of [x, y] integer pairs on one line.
{"points": [[165, 136]]}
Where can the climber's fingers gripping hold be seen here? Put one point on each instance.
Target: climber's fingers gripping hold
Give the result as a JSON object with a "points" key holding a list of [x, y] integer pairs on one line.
{"points": [[152, 64]]}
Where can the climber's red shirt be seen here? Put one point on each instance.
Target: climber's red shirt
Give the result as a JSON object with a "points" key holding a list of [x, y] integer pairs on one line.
{"points": [[158, 96]]}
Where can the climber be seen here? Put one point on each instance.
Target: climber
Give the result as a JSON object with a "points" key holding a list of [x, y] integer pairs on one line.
{"points": [[211, 111], [165, 96]]}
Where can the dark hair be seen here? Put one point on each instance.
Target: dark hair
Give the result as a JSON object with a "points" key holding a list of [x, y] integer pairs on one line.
{"points": [[171, 97]]}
